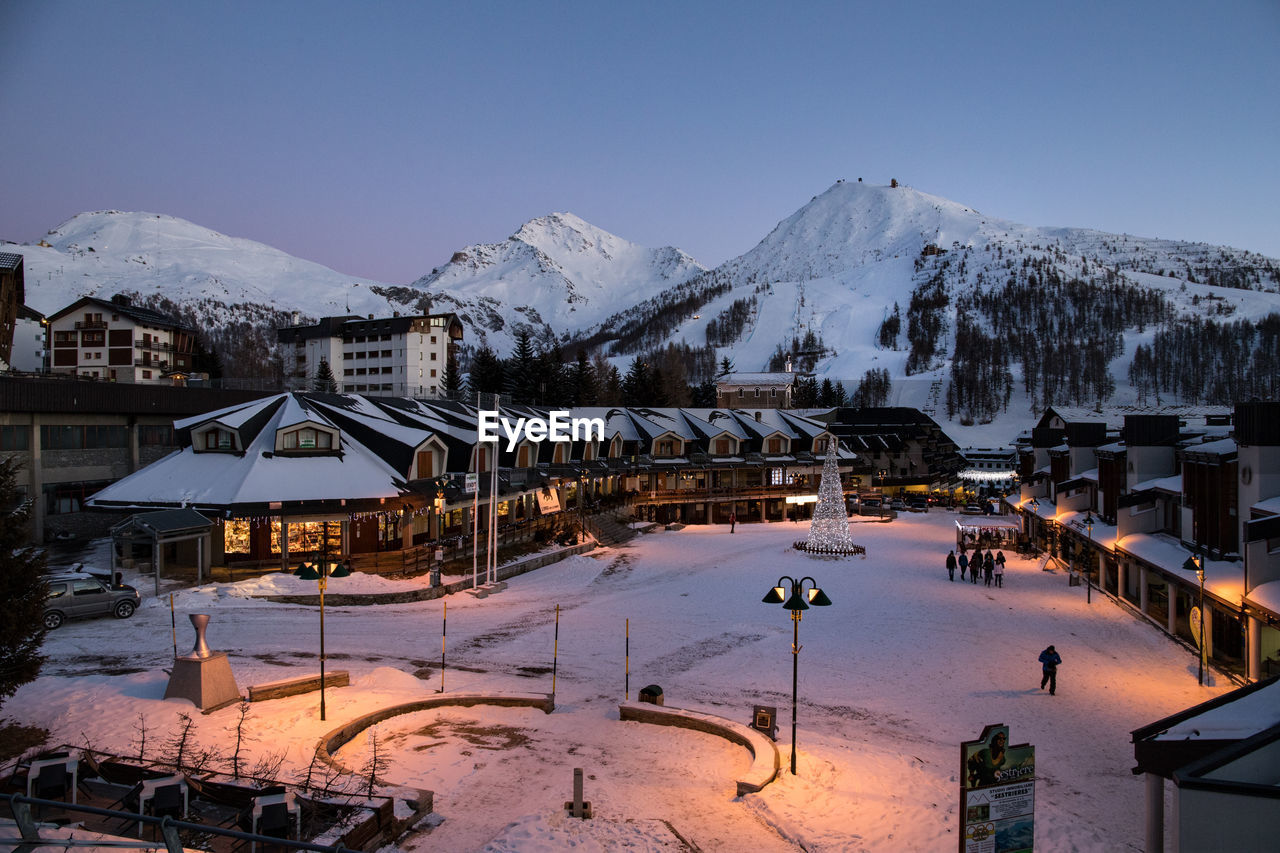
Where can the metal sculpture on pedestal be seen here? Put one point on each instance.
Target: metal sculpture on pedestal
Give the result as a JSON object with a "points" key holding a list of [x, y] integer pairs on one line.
{"points": [[829, 530], [203, 676]]}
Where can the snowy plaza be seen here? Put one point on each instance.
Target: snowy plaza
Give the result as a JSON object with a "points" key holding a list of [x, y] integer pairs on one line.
{"points": [[893, 676]]}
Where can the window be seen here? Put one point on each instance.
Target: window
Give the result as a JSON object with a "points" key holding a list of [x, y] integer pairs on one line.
{"points": [[386, 353], [433, 339], [426, 467], [155, 436], [773, 392], [75, 437], [722, 447], [666, 447], [146, 374], [433, 356], [819, 445], [348, 372], [757, 392], [61, 498], [741, 393], [218, 439], [307, 439], [433, 371], [775, 445], [386, 369], [15, 438]]}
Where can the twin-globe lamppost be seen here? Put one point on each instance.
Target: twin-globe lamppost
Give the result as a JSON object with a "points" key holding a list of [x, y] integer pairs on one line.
{"points": [[797, 602], [327, 569]]}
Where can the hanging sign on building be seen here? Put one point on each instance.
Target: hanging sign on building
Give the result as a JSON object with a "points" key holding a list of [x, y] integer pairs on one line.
{"points": [[997, 794], [472, 483], [548, 501]]}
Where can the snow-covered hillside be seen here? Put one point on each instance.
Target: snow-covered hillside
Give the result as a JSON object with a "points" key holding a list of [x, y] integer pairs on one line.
{"points": [[108, 252], [557, 274], [1007, 304]]}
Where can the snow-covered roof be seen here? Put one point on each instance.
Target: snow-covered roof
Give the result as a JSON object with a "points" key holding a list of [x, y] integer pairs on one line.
{"points": [[1221, 447], [757, 379], [1234, 720], [1221, 577], [1164, 484]]}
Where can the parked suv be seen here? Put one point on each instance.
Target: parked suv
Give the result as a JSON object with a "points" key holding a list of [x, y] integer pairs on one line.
{"points": [[72, 596]]}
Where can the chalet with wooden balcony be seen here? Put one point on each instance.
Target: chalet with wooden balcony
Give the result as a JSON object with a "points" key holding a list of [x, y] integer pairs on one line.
{"points": [[117, 342]]}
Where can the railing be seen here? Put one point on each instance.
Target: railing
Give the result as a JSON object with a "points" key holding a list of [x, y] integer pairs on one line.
{"points": [[160, 345], [29, 830], [91, 324]]}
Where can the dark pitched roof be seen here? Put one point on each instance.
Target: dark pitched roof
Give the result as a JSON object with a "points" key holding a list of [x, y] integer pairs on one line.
{"points": [[133, 312], [10, 261]]}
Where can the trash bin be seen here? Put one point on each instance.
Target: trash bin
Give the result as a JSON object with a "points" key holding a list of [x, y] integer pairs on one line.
{"points": [[435, 576], [764, 718], [651, 694]]}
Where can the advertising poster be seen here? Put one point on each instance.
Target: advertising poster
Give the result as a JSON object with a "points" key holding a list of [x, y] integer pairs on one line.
{"points": [[997, 794], [548, 501]]}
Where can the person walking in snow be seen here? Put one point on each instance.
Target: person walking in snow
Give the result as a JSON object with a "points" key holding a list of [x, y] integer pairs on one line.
{"points": [[999, 574], [733, 521], [951, 565], [1050, 659], [963, 562], [975, 567], [988, 567]]}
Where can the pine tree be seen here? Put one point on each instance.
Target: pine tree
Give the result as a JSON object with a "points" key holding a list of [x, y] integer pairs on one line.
{"points": [[487, 374], [522, 385], [22, 588], [726, 367], [637, 385], [324, 381], [582, 381], [451, 381]]}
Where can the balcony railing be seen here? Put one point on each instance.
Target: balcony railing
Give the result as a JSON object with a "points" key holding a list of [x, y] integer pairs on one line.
{"points": [[157, 345], [91, 324]]}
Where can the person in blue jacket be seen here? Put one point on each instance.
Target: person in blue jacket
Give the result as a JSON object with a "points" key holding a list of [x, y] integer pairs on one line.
{"points": [[964, 563], [1050, 659]]}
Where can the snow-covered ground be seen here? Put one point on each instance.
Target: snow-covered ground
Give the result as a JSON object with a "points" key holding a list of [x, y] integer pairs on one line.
{"points": [[893, 676]]}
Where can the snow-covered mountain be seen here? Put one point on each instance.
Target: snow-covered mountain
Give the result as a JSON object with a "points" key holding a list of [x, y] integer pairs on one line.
{"points": [[148, 254], [557, 274], [949, 302]]}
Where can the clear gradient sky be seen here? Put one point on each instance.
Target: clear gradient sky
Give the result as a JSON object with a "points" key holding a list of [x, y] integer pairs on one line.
{"points": [[379, 137]]}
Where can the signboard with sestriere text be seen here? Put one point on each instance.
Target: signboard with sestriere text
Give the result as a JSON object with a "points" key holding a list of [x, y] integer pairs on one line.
{"points": [[997, 794]]}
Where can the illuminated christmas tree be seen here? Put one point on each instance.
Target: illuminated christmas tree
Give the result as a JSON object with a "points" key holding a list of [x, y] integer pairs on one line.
{"points": [[829, 530]]}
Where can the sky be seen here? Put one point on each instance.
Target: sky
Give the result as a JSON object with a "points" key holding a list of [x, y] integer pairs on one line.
{"points": [[380, 138]]}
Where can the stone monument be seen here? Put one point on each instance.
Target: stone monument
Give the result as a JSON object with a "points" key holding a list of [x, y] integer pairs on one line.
{"points": [[203, 676]]}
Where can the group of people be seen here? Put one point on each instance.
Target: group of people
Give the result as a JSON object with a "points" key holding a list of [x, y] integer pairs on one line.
{"points": [[990, 565]]}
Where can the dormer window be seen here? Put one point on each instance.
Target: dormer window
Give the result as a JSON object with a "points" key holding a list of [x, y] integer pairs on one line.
{"points": [[775, 445], [665, 447], [819, 445], [306, 438], [219, 439], [722, 447]]}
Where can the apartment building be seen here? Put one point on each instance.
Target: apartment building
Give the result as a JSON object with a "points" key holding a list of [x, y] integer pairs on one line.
{"points": [[115, 341], [12, 293], [402, 356]]}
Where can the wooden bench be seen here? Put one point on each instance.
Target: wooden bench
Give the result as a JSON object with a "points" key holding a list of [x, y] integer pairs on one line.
{"points": [[294, 686]]}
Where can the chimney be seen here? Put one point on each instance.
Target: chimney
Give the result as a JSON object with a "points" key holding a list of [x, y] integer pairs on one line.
{"points": [[295, 318], [788, 368]]}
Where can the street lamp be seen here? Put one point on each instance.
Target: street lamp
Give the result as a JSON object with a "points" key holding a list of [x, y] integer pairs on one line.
{"points": [[332, 569], [1088, 523], [797, 602], [1195, 563]]}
